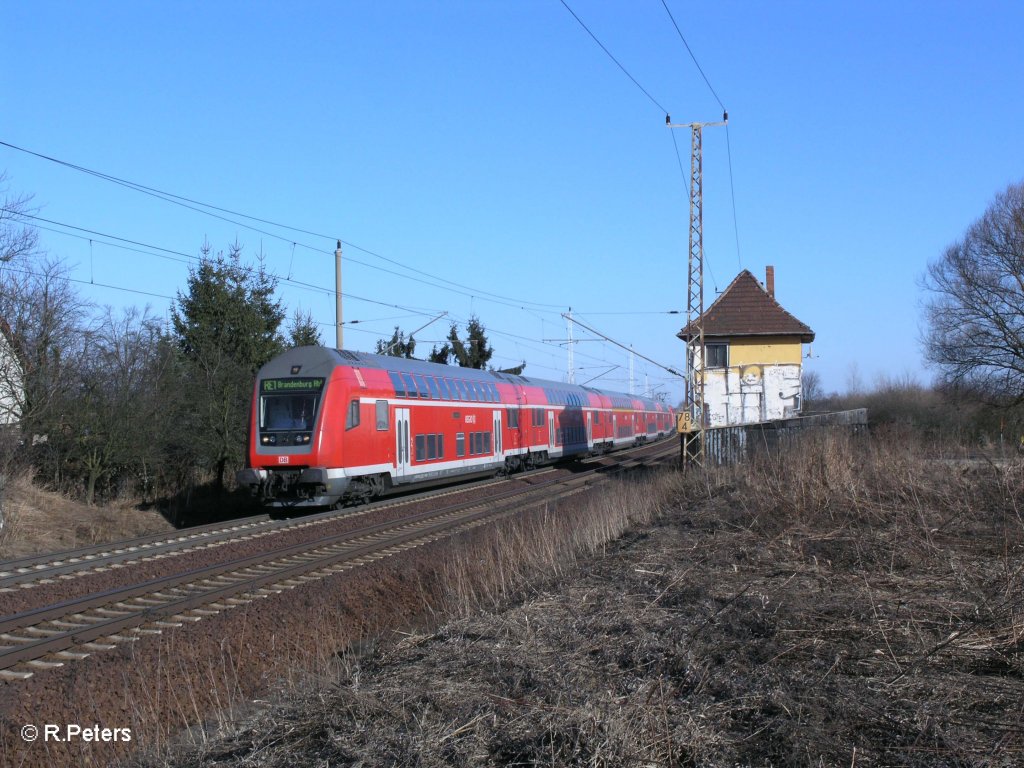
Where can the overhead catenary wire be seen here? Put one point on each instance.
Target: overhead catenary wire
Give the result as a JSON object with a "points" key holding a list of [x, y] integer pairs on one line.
{"points": [[208, 208], [290, 281], [188, 259]]}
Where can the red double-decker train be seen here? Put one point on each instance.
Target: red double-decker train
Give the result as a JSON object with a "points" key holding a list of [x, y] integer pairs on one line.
{"points": [[330, 426]]}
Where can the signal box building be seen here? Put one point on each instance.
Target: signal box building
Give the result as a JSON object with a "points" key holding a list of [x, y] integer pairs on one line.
{"points": [[754, 351]]}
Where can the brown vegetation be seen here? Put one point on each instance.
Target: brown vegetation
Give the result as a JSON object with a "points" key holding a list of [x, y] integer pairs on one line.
{"points": [[37, 521], [860, 603]]}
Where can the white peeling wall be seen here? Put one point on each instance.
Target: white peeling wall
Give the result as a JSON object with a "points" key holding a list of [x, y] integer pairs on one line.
{"points": [[752, 393]]}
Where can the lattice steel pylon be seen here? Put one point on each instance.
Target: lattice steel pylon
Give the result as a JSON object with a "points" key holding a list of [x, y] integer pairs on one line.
{"points": [[692, 424]]}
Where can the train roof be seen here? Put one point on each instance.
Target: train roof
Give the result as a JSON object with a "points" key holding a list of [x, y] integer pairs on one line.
{"points": [[318, 360]]}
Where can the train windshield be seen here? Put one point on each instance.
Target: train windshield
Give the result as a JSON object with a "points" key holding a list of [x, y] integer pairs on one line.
{"points": [[289, 404]]}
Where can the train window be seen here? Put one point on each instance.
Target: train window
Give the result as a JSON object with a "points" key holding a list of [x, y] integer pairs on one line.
{"points": [[424, 391], [410, 385], [513, 418], [474, 443], [383, 420], [494, 393], [352, 417], [471, 391], [431, 446], [434, 391], [440, 446], [421, 447], [597, 417], [442, 384], [460, 444], [462, 389], [399, 385], [538, 417], [486, 447]]}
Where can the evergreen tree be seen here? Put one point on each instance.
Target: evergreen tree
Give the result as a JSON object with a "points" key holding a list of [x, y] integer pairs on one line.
{"points": [[474, 352], [397, 346], [303, 331], [227, 326]]}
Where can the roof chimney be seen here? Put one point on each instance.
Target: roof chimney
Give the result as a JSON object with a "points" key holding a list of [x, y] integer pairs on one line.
{"points": [[769, 280]]}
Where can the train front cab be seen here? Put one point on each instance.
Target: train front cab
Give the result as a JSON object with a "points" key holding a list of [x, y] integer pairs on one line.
{"points": [[294, 397]]}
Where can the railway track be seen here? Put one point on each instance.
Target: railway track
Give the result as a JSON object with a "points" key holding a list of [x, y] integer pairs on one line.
{"points": [[53, 635], [26, 572]]}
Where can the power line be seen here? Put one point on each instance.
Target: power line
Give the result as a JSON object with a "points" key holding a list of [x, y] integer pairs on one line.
{"points": [[728, 142], [188, 259], [697, 63], [610, 56], [190, 204], [250, 270], [732, 192], [8, 268]]}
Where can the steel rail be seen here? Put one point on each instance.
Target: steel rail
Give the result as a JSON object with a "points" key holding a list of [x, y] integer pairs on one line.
{"points": [[81, 630], [32, 569]]}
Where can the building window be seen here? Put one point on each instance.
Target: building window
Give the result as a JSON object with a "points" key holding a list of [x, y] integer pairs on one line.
{"points": [[718, 355]]}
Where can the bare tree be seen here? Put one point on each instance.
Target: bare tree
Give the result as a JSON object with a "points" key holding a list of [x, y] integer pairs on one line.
{"points": [[17, 238], [975, 309], [813, 391], [44, 318]]}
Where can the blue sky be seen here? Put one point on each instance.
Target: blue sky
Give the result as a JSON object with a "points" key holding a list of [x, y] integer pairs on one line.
{"points": [[496, 146]]}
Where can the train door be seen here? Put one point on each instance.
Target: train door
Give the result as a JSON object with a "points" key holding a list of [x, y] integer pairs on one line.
{"points": [[499, 448], [402, 458]]}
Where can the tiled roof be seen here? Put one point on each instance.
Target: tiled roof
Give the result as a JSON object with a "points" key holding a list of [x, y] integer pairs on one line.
{"points": [[746, 309]]}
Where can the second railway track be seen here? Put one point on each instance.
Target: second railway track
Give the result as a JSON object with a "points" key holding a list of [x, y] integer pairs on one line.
{"points": [[53, 635]]}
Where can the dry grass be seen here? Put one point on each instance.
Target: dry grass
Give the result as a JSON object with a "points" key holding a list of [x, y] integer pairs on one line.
{"points": [[37, 521], [860, 604], [485, 566]]}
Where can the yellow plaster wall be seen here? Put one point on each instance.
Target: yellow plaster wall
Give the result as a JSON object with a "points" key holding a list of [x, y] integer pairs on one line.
{"points": [[765, 350]]}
